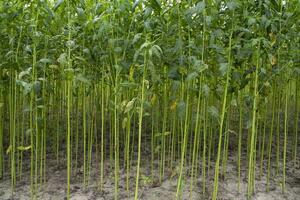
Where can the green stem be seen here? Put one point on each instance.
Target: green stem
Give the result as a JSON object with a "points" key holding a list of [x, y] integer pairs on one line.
{"points": [[140, 131], [216, 177]]}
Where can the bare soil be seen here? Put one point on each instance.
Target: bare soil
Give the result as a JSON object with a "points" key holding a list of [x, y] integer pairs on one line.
{"points": [[55, 186]]}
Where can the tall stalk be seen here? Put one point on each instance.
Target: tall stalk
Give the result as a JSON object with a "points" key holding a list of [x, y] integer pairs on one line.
{"points": [[196, 135], [33, 131], [204, 146], [296, 124], [102, 132], [262, 152], [69, 97], [141, 110], [285, 134], [116, 136], [240, 136], [12, 128], [271, 138], [183, 148], [1, 133], [163, 139], [223, 111], [251, 165]]}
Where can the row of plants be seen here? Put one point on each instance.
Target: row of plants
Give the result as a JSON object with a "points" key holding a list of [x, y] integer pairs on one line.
{"points": [[184, 80]]}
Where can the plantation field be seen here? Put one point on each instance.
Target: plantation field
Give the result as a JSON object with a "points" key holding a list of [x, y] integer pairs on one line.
{"points": [[150, 99]]}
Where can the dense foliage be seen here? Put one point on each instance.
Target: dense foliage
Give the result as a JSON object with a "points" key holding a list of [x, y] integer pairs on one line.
{"points": [[183, 80]]}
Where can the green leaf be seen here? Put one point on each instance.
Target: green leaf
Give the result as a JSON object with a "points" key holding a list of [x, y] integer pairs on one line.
{"points": [[82, 78], [223, 68], [234, 102], [62, 59], [37, 86], [136, 38], [129, 106], [156, 5], [8, 150], [213, 111], [69, 72], [232, 5], [124, 122], [191, 76], [206, 90], [71, 44], [86, 51], [156, 51], [24, 73], [136, 55], [255, 41], [160, 134], [26, 86], [148, 11], [144, 45], [251, 21], [198, 9], [152, 70], [45, 60], [118, 50], [136, 3], [21, 148], [80, 12], [248, 123], [28, 49], [41, 107], [53, 66], [128, 84], [57, 4], [181, 109]]}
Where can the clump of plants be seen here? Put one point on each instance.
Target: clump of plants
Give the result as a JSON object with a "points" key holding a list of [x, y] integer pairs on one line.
{"points": [[186, 81]]}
